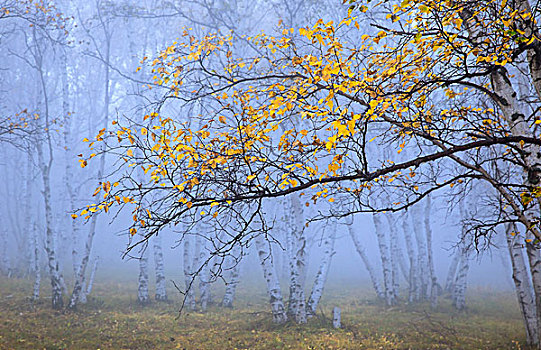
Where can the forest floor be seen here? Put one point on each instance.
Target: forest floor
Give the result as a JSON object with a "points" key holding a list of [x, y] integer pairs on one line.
{"points": [[112, 319]]}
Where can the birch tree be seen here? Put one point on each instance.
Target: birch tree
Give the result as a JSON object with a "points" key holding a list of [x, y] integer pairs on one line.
{"points": [[438, 80]]}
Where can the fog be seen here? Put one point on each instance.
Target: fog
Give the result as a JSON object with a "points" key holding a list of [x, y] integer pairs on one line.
{"points": [[74, 73]]}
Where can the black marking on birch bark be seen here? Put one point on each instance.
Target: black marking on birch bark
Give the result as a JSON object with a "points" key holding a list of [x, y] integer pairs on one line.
{"points": [[533, 175], [516, 116]]}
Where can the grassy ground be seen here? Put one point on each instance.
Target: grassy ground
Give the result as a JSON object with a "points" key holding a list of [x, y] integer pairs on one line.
{"points": [[112, 319]]}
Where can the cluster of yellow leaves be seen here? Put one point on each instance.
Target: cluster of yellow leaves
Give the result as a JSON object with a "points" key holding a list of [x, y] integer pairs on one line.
{"points": [[309, 106]]}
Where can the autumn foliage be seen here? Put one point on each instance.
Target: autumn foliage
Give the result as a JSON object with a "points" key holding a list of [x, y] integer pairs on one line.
{"points": [[373, 116]]}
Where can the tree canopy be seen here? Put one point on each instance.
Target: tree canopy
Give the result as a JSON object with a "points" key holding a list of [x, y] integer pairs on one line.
{"points": [[372, 113]]}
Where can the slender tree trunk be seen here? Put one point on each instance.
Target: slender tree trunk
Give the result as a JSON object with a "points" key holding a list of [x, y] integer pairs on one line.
{"points": [[386, 262], [422, 252], [523, 285], [68, 158], [204, 277], [142, 290], [90, 283], [233, 270], [6, 265], [396, 249], [35, 260], [371, 271], [459, 294], [298, 263], [189, 298], [451, 274], [321, 276], [434, 286], [161, 293], [50, 244], [397, 259], [78, 289], [273, 284], [413, 276], [534, 259]]}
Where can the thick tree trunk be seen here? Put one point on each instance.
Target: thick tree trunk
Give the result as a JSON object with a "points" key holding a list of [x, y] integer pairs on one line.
{"points": [[273, 285], [321, 276], [161, 293]]}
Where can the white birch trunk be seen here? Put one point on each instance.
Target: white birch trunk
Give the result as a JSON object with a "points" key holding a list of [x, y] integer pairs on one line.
{"points": [[362, 253], [142, 290], [90, 283], [434, 286], [534, 259], [37, 270], [189, 297], [413, 277], [161, 293], [68, 158], [233, 270], [386, 262], [459, 292], [204, 275], [6, 266], [279, 315], [50, 244], [422, 252], [321, 276], [523, 285], [396, 248], [451, 273], [336, 317], [298, 262], [78, 289]]}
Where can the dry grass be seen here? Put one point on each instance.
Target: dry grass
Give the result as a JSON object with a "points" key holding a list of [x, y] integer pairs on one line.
{"points": [[112, 319]]}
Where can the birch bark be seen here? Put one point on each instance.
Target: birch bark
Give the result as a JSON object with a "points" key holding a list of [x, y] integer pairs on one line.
{"points": [[523, 285], [386, 262], [273, 285], [142, 290], [362, 253], [413, 277], [321, 276], [161, 293], [189, 298]]}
